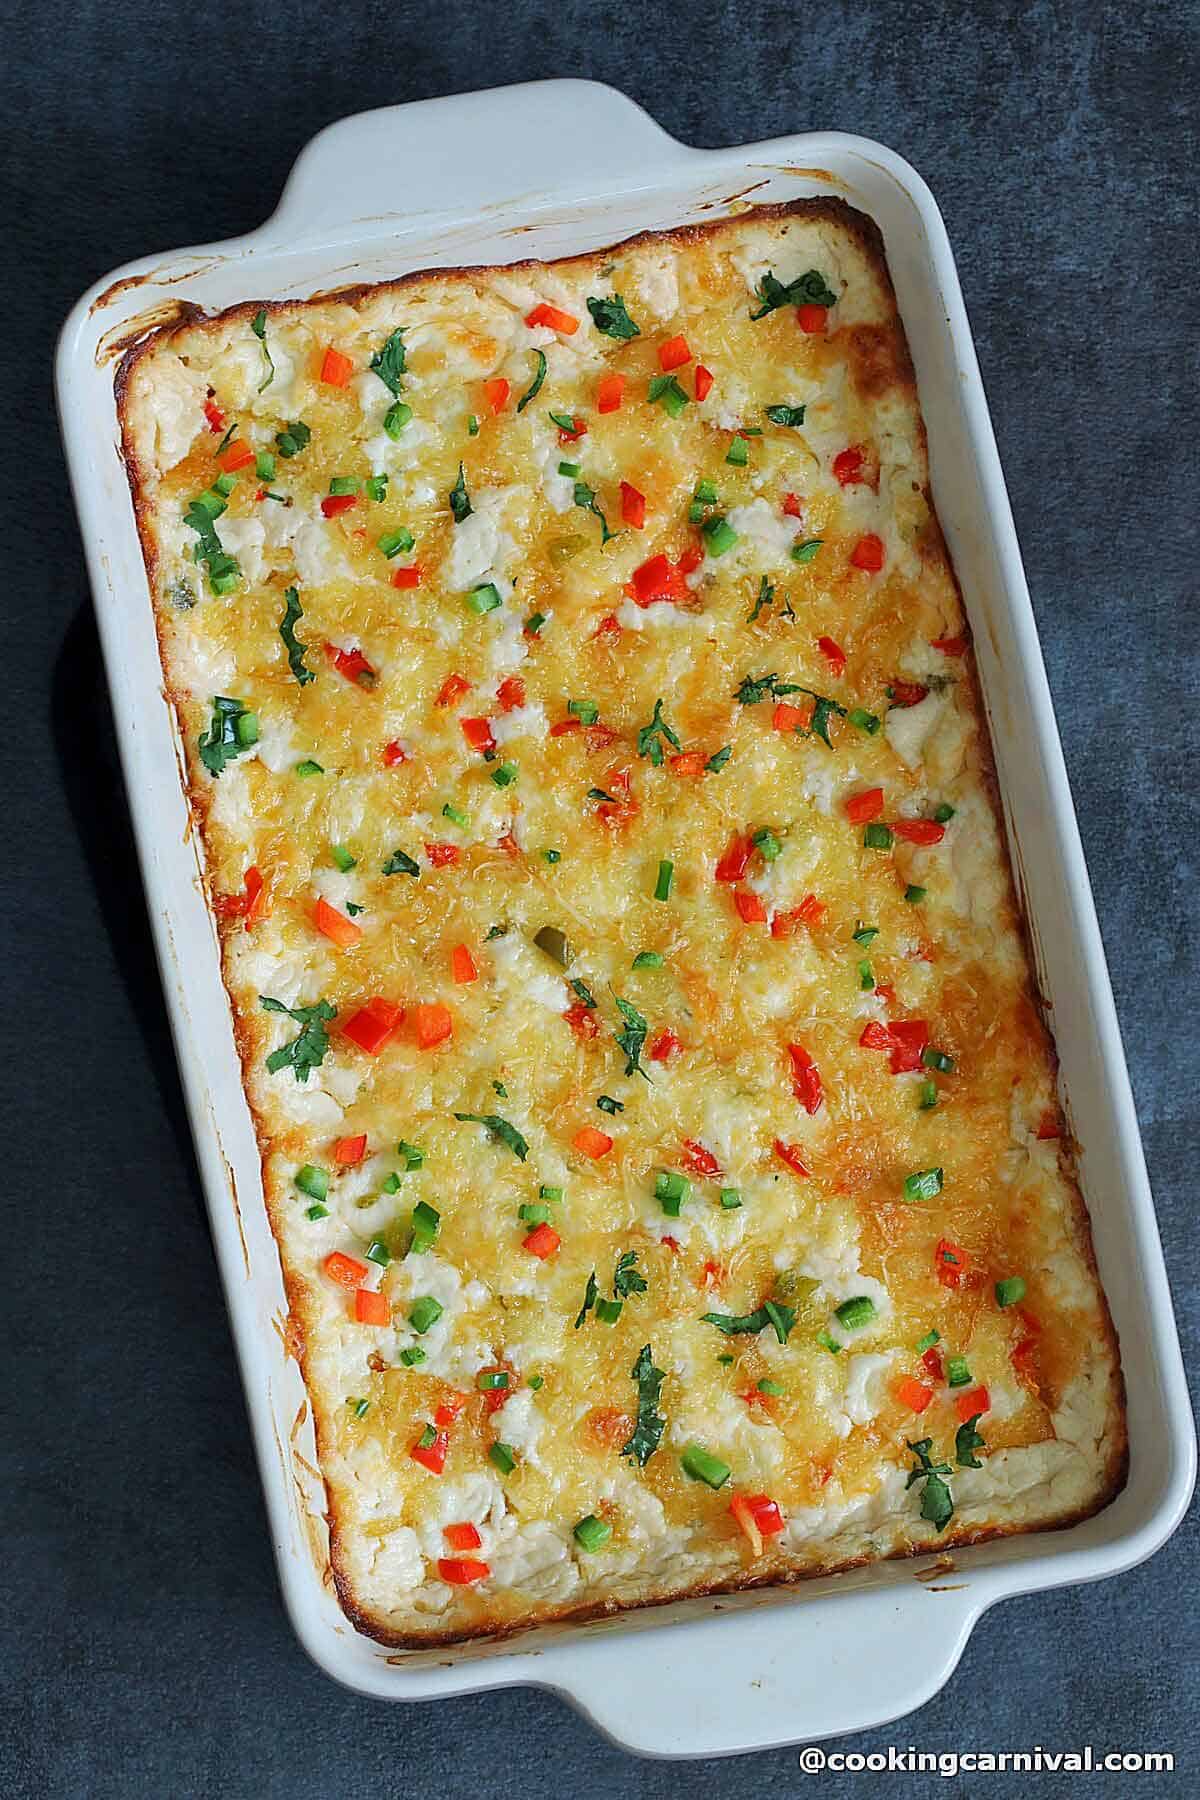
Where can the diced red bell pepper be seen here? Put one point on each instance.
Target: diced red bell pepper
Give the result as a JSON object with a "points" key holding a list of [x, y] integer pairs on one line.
{"points": [[407, 577], [336, 369], [633, 507], [697, 1160], [566, 727], [449, 1409], [442, 856], [950, 646], [373, 1024], [1049, 1126], [868, 553], [352, 664], [788, 718], [393, 754], [789, 1155], [571, 434], [541, 1242], [510, 694], [906, 693], [673, 354], [610, 390], [806, 1079], [214, 415], [462, 1537], [591, 1142], [733, 863], [347, 1271], [688, 763], [875, 1037], [554, 317], [811, 318], [950, 1263], [861, 808], [759, 1517], [918, 831], [250, 905], [913, 1393], [371, 1307], [432, 1456], [462, 965], [848, 465], [582, 1020], [658, 579], [348, 1152], [434, 1024], [833, 653], [333, 504], [704, 382], [906, 1040], [751, 909], [461, 1571], [452, 689], [478, 733], [792, 506], [497, 391], [931, 1362], [335, 925], [664, 1045], [691, 559], [609, 628], [977, 1401]]}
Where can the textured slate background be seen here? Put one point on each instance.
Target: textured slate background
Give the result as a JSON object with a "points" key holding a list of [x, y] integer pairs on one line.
{"points": [[148, 1653]]}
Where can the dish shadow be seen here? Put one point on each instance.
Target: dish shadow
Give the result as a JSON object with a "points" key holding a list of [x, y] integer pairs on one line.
{"points": [[85, 734]]}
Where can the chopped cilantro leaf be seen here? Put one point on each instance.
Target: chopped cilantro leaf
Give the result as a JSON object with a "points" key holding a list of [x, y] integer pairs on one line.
{"points": [[460, 500], [258, 326], [534, 388], [233, 729], [389, 364], [296, 651], [647, 1433], [610, 317], [780, 1318], [806, 290], [632, 1039], [500, 1130], [966, 1441], [648, 739], [590, 1293], [585, 497], [399, 863], [785, 415], [307, 1051], [626, 1279]]}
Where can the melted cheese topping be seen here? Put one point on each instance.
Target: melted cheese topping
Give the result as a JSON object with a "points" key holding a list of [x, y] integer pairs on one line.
{"points": [[574, 836]]}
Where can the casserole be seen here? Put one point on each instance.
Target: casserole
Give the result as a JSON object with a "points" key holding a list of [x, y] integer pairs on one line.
{"points": [[285, 259]]}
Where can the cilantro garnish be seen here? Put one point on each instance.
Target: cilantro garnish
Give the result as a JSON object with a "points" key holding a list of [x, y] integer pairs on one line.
{"points": [[757, 687], [584, 992], [966, 1441], [233, 729], [460, 500], [647, 1433], [766, 598], [307, 1051], [806, 290], [293, 438], [296, 651], [258, 326], [500, 1130], [223, 570], [610, 317], [717, 761], [772, 1312], [632, 1039], [785, 415], [399, 863], [535, 385], [585, 497], [626, 1279], [937, 1502], [648, 740], [590, 1293], [389, 363]]}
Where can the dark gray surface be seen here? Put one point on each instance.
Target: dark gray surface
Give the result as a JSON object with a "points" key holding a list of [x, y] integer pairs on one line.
{"points": [[147, 1649]]}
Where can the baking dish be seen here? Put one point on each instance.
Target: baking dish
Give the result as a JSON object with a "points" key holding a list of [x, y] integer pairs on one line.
{"points": [[883, 1639]]}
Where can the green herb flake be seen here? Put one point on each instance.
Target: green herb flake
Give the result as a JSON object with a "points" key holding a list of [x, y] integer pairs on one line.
{"points": [[389, 362], [258, 326], [809, 289], [648, 1431], [296, 651], [609, 315], [499, 1130], [232, 729], [306, 1051], [460, 500]]}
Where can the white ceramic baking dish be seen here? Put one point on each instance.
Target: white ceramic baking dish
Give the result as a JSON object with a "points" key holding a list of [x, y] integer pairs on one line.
{"points": [[545, 170]]}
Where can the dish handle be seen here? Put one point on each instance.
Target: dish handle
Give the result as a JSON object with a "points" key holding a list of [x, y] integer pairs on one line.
{"points": [[380, 163], [863, 1662]]}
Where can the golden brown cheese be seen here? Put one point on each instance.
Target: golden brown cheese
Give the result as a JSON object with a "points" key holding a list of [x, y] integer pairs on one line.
{"points": [[831, 1004]]}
